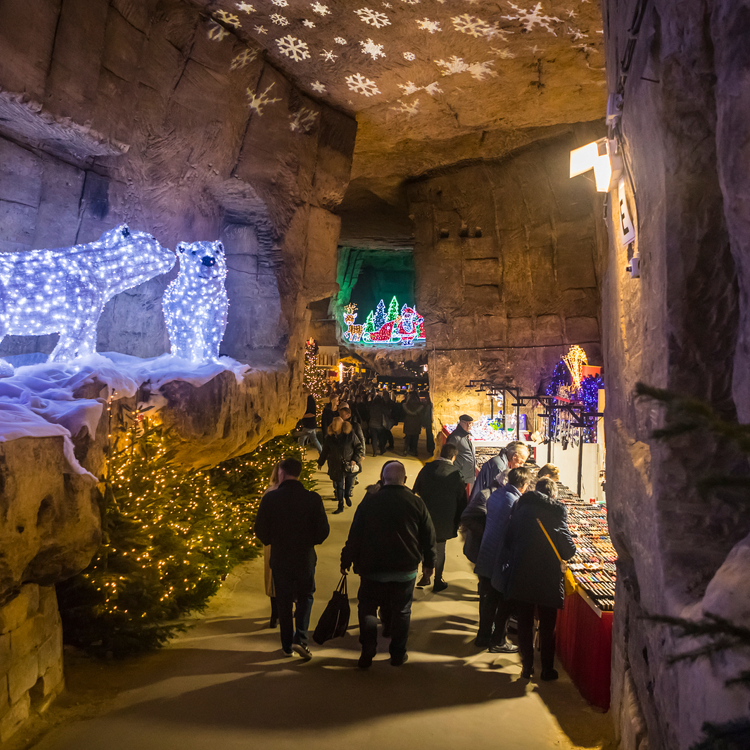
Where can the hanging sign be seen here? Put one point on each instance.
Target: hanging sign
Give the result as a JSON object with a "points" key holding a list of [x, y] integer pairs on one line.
{"points": [[627, 230]]}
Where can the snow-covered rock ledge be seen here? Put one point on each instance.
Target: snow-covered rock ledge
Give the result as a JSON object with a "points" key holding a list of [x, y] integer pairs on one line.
{"points": [[54, 441]]}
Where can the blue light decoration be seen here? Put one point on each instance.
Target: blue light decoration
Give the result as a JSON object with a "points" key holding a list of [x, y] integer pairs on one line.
{"points": [[561, 387], [394, 327]]}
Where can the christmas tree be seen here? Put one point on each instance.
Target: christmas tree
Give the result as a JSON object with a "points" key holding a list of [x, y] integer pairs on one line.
{"points": [[392, 310], [369, 327], [379, 319], [315, 378], [170, 536]]}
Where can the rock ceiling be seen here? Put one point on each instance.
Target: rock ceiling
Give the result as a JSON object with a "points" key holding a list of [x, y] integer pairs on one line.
{"points": [[428, 80]]}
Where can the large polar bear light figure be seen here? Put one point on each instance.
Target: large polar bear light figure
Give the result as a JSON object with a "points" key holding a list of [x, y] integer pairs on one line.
{"points": [[64, 290], [196, 303]]}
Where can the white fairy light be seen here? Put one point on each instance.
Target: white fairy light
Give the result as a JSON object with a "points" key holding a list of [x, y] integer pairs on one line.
{"points": [[195, 304], [64, 290]]}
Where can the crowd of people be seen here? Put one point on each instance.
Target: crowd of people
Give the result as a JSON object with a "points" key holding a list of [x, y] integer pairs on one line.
{"points": [[514, 528], [357, 416]]}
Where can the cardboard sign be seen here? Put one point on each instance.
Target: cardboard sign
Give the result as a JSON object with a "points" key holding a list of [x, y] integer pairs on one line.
{"points": [[627, 230]]}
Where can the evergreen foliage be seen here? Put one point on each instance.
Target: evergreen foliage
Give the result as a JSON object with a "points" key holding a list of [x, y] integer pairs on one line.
{"points": [[379, 319], [170, 536], [392, 310], [719, 635], [369, 324]]}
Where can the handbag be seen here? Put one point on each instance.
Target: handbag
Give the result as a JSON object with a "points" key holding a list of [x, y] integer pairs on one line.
{"points": [[571, 585], [335, 618]]}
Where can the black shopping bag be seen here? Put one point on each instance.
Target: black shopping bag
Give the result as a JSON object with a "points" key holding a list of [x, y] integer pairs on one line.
{"points": [[335, 619]]}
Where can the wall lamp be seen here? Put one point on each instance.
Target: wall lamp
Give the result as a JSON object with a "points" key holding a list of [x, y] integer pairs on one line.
{"points": [[602, 157]]}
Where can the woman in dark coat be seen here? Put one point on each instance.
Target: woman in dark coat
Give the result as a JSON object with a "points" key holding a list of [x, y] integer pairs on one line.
{"points": [[532, 578], [378, 434], [412, 423], [343, 450]]}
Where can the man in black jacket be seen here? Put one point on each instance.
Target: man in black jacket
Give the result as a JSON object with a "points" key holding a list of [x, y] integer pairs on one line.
{"points": [[466, 460], [391, 533], [440, 485], [292, 520]]}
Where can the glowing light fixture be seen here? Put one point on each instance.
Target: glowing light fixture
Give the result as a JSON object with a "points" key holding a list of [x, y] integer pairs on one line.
{"points": [[196, 304], [64, 290], [602, 157]]}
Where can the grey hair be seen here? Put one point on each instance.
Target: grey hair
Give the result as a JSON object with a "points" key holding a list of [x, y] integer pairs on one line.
{"points": [[515, 447]]}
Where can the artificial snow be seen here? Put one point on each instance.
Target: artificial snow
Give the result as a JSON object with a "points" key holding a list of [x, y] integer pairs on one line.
{"points": [[37, 399]]}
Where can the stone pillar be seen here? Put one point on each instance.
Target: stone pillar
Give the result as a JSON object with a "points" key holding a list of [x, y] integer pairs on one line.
{"points": [[31, 669]]}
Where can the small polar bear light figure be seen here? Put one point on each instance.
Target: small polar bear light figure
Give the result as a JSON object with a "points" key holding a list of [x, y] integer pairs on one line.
{"points": [[195, 304]]}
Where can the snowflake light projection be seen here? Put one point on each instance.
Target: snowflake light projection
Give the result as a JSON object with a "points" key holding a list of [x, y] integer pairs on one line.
{"points": [[404, 328], [427, 25], [478, 70], [339, 40], [530, 19], [216, 32], [243, 58], [279, 20], [261, 30], [318, 87], [293, 48], [303, 120], [361, 85], [280, 3], [64, 290], [228, 18], [328, 55], [407, 108], [245, 7], [308, 23], [409, 56], [259, 101], [321, 10], [471, 25], [373, 17], [370, 48], [195, 304], [410, 88]]}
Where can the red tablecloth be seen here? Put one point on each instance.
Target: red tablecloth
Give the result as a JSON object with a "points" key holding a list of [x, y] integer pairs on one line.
{"points": [[584, 646]]}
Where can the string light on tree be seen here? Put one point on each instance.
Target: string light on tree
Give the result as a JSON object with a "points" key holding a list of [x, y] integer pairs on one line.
{"points": [[64, 290], [315, 378]]}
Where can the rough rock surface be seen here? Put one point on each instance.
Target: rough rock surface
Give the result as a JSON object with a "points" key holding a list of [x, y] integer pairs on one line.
{"points": [[682, 325], [31, 655], [505, 257], [49, 518]]}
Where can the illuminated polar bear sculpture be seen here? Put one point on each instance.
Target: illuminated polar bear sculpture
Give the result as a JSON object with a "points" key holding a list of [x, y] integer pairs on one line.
{"points": [[196, 303], [64, 290]]}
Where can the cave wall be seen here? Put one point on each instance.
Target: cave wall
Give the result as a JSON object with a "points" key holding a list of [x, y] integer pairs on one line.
{"points": [[683, 325], [140, 112], [506, 276]]}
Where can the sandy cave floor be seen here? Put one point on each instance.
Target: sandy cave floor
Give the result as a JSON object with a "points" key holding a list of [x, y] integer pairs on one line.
{"points": [[224, 683]]}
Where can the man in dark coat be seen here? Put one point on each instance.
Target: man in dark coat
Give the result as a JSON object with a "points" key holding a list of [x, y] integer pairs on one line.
{"points": [[292, 520], [533, 578], [513, 456], [440, 485], [494, 608], [330, 410], [390, 535], [466, 459]]}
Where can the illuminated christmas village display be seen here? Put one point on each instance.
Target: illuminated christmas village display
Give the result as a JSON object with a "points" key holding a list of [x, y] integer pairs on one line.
{"points": [[404, 327]]}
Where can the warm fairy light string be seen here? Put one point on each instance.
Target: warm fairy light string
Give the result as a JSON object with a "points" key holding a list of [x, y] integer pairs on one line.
{"points": [[196, 303], [64, 290], [315, 378], [575, 359]]}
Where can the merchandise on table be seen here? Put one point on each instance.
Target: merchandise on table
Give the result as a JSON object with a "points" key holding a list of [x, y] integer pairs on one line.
{"points": [[593, 565]]}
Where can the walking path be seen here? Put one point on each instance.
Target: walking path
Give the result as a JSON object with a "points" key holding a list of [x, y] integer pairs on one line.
{"points": [[224, 684]]}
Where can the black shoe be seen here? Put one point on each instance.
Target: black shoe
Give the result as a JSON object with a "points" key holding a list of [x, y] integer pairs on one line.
{"points": [[549, 674], [302, 650], [273, 622], [397, 661], [482, 641], [439, 586], [504, 648], [527, 674], [365, 660], [348, 502], [423, 581], [340, 509]]}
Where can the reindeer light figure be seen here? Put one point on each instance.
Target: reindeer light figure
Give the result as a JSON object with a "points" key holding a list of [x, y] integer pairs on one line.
{"points": [[352, 333]]}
